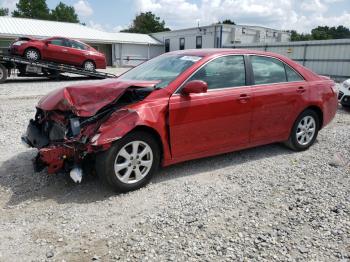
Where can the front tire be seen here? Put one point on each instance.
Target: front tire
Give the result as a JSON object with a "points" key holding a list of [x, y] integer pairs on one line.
{"points": [[130, 163], [32, 54], [89, 66], [304, 131]]}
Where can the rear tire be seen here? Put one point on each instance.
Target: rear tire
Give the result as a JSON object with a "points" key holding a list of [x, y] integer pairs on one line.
{"points": [[130, 163], [89, 65], [32, 54], [304, 131]]}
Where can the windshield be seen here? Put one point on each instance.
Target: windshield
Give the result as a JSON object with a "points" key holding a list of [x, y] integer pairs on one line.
{"points": [[163, 68]]}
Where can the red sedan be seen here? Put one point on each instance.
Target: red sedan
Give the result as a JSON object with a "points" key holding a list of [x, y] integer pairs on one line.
{"points": [[176, 107], [60, 50]]}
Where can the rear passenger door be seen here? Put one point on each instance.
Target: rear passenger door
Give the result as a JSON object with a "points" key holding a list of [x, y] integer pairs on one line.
{"points": [[56, 50], [278, 94], [77, 52]]}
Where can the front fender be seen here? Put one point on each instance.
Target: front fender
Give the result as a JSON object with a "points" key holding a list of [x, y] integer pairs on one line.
{"points": [[119, 123], [151, 115]]}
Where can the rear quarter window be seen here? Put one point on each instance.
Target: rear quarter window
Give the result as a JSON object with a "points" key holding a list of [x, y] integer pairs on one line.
{"points": [[292, 76]]}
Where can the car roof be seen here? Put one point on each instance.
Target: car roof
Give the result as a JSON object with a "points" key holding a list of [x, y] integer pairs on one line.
{"points": [[222, 51], [61, 37], [212, 52]]}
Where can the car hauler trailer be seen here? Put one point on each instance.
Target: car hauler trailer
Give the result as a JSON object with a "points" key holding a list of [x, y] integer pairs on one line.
{"points": [[41, 68]]}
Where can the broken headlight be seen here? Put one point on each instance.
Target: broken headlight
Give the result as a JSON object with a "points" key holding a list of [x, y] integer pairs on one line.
{"points": [[74, 127]]}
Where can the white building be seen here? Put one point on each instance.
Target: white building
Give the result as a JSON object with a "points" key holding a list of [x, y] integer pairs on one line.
{"points": [[121, 49], [219, 35]]}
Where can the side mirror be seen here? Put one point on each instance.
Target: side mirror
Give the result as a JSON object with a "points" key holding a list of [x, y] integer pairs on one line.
{"points": [[195, 87], [47, 43]]}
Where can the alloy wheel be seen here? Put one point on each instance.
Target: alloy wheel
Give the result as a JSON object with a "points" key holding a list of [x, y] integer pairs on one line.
{"points": [[89, 66], [133, 162], [306, 130], [32, 55]]}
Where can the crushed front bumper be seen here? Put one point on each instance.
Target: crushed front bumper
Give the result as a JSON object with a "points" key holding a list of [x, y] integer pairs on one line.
{"points": [[54, 156]]}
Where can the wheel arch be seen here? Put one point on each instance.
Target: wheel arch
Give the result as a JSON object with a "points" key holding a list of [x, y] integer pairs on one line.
{"points": [[154, 133], [125, 122], [32, 47], [314, 108], [319, 113], [88, 60]]}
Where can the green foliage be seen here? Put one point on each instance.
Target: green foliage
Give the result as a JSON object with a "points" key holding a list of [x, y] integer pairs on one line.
{"points": [[64, 13], [322, 33], [146, 23], [295, 36], [36, 9], [228, 22], [4, 11], [340, 32]]}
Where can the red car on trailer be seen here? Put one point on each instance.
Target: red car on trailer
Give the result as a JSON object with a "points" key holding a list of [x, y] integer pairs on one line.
{"points": [[59, 50]]}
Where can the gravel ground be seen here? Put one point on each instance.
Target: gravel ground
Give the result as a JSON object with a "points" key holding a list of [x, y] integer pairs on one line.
{"points": [[266, 203]]}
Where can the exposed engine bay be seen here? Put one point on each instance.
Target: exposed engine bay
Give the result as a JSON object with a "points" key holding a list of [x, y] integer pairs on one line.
{"points": [[65, 138]]}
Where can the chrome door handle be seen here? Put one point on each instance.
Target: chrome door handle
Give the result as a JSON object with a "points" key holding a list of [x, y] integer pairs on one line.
{"points": [[64, 50], [243, 98], [301, 89]]}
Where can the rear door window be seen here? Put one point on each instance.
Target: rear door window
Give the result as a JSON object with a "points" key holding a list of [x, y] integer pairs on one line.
{"points": [[223, 72], [58, 42], [268, 70], [77, 45]]}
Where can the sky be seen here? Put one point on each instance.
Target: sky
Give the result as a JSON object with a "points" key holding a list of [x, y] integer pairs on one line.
{"points": [[300, 15]]}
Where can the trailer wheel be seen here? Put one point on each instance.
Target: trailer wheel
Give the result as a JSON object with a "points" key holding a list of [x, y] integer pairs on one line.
{"points": [[32, 54], [3, 73]]}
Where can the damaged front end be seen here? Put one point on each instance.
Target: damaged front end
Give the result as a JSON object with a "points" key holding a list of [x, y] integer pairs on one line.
{"points": [[62, 140], [68, 130]]}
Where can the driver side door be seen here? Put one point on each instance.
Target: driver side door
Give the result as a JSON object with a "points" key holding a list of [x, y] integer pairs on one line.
{"points": [[214, 122]]}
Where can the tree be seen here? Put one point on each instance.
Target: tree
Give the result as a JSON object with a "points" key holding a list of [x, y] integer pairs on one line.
{"points": [[321, 33], [4, 11], [146, 23], [295, 36], [64, 13], [36, 9], [339, 32], [228, 22]]}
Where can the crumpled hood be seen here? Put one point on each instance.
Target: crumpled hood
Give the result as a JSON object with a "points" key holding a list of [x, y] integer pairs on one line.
{"points": [[87, 98]]}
